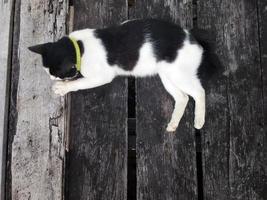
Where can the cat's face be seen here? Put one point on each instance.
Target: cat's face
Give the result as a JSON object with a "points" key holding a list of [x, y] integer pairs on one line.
{"points": [[58, 58]]}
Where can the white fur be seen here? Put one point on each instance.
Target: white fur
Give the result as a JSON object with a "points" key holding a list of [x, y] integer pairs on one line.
{"points": [[179, 78]]}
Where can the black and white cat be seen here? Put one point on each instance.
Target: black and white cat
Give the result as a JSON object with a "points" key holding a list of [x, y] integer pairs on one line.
{"points": [[137, 48]]}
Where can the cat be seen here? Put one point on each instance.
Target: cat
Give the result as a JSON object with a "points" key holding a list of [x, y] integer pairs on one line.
{"points": [[90, 58]]}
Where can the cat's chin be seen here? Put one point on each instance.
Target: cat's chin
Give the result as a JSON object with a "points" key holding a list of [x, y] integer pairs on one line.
{"points": [[53, 78]]}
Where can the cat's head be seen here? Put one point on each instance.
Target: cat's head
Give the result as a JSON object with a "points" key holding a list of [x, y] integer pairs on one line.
{"points": [[59, 58]]}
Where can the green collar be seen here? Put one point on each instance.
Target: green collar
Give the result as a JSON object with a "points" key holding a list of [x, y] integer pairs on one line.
{"points": [[78, 53]]}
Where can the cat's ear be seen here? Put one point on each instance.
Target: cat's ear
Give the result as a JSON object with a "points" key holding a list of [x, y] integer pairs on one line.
{"points": [[40, 48]]}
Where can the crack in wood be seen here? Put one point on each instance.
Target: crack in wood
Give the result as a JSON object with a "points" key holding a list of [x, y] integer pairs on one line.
{"points": [[198, 137], [260, 36], [12, 111], [131, 178], [54, 129]]}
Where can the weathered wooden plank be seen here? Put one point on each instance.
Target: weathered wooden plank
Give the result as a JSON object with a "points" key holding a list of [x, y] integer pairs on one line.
{"points": [[6, 18], [37, 138], [98, 135], [12, 112], [262, 12], [234, 151], [215, 135], [166, 162]]}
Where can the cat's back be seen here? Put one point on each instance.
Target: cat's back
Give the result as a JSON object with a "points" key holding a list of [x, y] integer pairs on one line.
{"points": [[123, 42]]}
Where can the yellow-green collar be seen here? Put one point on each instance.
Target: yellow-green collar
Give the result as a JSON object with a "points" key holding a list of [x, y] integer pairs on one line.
{"points": [[78, 53]]}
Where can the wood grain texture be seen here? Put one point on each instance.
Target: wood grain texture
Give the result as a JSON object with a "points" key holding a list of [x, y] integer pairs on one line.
{"points": [[97, 167], [178, 11], [262, 18], [262, 14], [12, 111], [215, 135], [38, 144], [166, 167], [6, 17], [234, 139]]}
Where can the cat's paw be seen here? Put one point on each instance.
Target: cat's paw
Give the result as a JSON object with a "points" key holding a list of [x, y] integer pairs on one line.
{"points": [[60, 88], [172, 126], [199, 122]]}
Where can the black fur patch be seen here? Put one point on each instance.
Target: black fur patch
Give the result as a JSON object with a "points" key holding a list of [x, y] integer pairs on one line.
{"points": [[123, 42], [166, 38], [210, 64]]}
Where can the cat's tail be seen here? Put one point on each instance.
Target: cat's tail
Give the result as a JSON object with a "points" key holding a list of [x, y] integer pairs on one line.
{"points": [[211, 64]]}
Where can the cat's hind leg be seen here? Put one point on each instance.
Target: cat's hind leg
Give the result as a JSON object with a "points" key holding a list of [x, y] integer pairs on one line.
{"points": [[192, 86], [181, 100], [200, 108]]}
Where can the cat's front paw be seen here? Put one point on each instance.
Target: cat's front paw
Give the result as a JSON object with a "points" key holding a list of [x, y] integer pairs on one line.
{"points": [[60, 88], [172, 126]]}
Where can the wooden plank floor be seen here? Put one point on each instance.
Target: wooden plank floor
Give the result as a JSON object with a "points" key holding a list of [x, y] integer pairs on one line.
{"points": [[262, 27], [36, 126], [215, 136], [234, 144], [166, 162], [98, 123], [262, 14]]}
